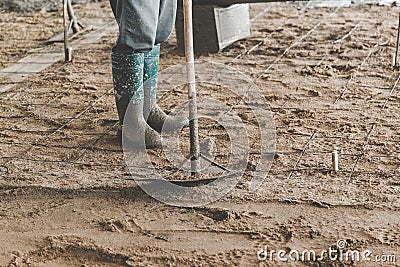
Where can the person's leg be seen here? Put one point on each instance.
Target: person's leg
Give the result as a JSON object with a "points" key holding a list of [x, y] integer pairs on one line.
{"points": [[136, 20], [155, 116], [166, 20], [127, 70]]}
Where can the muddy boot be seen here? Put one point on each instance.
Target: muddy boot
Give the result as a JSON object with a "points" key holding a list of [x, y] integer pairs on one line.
{"points": [[156, 117], [127, 70]]}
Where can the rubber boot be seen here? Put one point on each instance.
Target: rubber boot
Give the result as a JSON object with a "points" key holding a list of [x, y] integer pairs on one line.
{"points": [[127, 70], [156, 117]]}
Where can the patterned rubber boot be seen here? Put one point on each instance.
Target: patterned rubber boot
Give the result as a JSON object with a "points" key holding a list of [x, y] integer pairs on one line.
{"points": [[127, 70], [156, 117]]}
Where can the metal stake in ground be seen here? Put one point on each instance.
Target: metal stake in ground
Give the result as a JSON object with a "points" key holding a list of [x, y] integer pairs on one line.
{"points": [[67, 49], [191, 84], [75, 25]]}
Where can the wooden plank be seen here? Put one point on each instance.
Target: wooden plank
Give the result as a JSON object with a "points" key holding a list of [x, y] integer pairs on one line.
{"points": [[43, 58]]}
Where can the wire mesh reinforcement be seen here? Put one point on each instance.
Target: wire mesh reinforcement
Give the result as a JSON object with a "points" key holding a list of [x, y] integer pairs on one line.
{"points": [[279, 59]]}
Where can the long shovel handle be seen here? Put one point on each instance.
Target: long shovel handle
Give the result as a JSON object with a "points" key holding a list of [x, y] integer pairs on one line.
{"points": [[191, 85]]}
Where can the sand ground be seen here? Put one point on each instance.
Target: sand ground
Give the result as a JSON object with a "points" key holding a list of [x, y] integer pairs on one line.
{"points": [[67, 198]]}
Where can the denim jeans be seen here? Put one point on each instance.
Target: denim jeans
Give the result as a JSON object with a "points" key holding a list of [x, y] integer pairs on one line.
{"points": [[143, 23]]}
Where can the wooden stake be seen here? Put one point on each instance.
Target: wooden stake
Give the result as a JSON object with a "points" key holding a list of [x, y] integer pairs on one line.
{"points": [[397, 44], [191, 84], [335, 160], [67, 50]]}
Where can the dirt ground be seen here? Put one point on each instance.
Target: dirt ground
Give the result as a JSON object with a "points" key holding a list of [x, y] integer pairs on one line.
{"points": [[36, 5], [67, 198]]}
